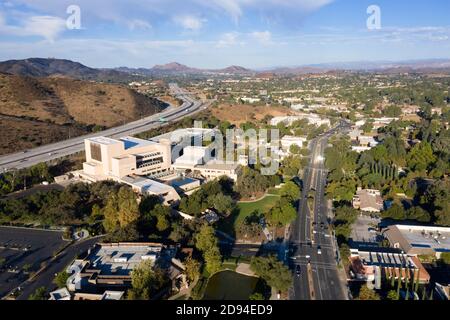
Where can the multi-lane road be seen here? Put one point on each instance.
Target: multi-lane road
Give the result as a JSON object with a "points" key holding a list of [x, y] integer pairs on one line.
{"points": [[313, 249], [71, 146]]}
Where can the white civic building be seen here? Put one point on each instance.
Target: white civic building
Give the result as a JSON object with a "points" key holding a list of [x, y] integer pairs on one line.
{"points": [[288, 141], [132, 161]]}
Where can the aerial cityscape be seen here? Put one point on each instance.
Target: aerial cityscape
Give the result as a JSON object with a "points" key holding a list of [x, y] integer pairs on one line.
{"points": [[218, 150]]}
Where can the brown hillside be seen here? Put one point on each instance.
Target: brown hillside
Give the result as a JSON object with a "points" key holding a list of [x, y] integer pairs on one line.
{"points": [[64, 103]]}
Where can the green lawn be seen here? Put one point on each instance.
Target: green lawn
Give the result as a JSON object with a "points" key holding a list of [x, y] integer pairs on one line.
{"points": [[262, 206], [244, 209]]}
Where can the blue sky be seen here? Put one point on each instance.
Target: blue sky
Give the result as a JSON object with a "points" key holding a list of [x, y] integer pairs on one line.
{"points": [[218, 33]]}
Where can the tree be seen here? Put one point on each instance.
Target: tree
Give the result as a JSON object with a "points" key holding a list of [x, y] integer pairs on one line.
{"points": [[421, 157], [396, 212], [161, 213], [281, 214], [111, 222], [213, 259], [61, 279], [419, 214], [222, 203], [146, 281], [39, 294], [121, 209], [445, 257], [273, 271], [291, 165], [392, 295], [206, 241], [256, 296], [192, 269], [367, 294], [295, 149], [205, 238], [290, 190], [128, 207], [96, 214]]}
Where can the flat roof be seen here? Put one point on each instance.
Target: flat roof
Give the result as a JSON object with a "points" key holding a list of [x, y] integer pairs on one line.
{"points": [[177, 135], [182, 181], [121, 259], [128, 141], [103, 140], [132, 142], [427, 237], [147, 185], [218, 165]]}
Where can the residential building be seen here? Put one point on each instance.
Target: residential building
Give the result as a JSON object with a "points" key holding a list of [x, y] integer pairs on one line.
{"points": [[367, 141], [368, 200], [419, 240], [382, 122]]}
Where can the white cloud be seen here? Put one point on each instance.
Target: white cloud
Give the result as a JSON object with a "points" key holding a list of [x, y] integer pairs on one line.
{"points": [[47, 27], [263, 37], [137, 9], [229, 39], [139, 24], [189, 22]]}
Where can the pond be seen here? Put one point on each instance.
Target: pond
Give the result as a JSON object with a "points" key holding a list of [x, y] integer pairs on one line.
{"points": [[230, 285]]}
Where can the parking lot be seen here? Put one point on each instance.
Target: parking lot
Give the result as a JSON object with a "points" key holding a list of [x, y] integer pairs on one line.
{"points": [[363, 231], [22, 251]]}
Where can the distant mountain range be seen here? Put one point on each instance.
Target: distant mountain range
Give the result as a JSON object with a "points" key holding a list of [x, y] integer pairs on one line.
{"points": [[178, 68], [41, 67]]}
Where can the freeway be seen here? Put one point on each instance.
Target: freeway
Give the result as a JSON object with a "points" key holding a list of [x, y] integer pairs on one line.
{"points": [[312, 246], [68, 147]]}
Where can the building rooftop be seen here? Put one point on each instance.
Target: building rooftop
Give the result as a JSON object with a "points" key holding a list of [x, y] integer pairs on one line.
{"points": [[219, 165], [177, 135], [60, 294], [147, 185], [103, 140], [179, 182], [121, 258], [421, 237], [131, 142]]}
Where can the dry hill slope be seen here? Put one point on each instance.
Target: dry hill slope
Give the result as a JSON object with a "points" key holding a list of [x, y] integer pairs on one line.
{"points": [[43, 110]]}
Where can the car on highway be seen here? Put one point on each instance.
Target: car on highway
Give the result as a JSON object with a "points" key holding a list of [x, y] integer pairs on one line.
{"points": [[319, 250], [298, 271]]}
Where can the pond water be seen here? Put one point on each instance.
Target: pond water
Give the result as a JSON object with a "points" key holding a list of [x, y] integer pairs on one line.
{"points": [[230, 285]]}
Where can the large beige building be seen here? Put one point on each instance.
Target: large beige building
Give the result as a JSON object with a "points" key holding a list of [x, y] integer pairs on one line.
{"points": [[126, 156], [132, 161]]}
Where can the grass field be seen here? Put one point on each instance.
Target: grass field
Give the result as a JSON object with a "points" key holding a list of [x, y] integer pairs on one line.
{"points": [[262, 206], [244, 209]]}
